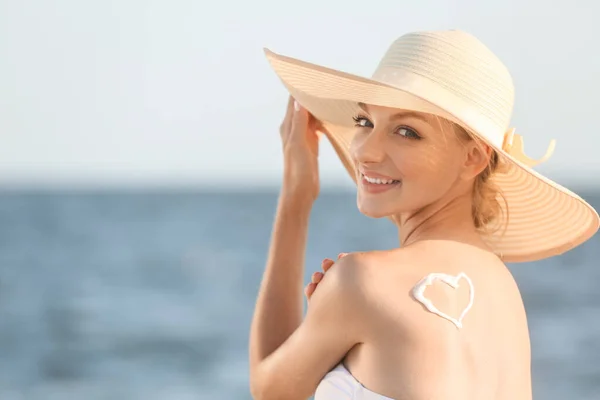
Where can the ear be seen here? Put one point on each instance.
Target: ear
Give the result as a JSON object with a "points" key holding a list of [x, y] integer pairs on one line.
{"points": [[477, 158]]}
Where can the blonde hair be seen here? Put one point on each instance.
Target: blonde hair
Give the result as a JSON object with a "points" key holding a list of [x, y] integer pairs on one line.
{"points": [[487, 208]]}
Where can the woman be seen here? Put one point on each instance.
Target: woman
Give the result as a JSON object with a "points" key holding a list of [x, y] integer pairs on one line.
{"points": [[428, 143]]}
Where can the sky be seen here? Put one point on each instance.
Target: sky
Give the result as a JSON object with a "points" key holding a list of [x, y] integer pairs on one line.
{"points": [[178, 92]]}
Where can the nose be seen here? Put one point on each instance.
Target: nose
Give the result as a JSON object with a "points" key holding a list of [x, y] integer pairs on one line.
{"points": [[368, 147]]}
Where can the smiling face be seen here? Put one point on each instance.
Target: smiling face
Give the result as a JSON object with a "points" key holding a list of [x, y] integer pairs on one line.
{"points": [[407, 161]]}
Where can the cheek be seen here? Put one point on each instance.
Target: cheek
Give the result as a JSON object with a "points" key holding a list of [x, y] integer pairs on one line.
{"points": [[416, 164], [428, 171], [355, 145]]}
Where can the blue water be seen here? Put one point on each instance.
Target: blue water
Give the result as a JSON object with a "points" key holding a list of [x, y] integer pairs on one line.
{"points": [[149, 295]]}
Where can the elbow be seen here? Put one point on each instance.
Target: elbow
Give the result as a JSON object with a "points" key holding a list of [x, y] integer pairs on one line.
{"points": [[258, 387], [260, 391], [266, 393], [268, 386], [255, 390]]}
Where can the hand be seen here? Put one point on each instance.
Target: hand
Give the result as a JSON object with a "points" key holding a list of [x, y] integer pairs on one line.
{"points": [[318, 276], [300, 149]]}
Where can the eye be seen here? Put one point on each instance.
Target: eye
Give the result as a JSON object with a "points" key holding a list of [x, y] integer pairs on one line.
{"points": [[362, 122], [407, 132]]}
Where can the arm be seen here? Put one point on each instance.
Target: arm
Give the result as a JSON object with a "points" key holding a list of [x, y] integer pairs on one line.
{"points": [[277, 335], [331, 328], [279, 306]]}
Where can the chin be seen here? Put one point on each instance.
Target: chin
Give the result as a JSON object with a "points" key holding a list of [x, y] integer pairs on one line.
{"points": [[374, 209]]}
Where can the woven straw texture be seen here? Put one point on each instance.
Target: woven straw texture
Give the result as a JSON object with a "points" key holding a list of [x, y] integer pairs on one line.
{"points": [[453, 75]]}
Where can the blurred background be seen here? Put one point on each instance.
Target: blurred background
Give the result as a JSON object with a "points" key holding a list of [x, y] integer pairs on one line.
{"points": [[140, 165]]}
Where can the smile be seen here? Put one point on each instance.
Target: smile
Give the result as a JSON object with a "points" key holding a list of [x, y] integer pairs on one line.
{"points": [[379, 181], [377, 185]]}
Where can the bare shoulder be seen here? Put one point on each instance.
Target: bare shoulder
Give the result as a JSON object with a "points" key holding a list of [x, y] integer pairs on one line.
{"points": [[448, 312], [347, 277], [374, 270], [462, 287], [381, 280], [438, 283], [346, 282], [358, 278]]}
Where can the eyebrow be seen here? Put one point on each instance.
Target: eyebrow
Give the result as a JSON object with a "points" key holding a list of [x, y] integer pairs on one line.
{"points": [[403, 114]]}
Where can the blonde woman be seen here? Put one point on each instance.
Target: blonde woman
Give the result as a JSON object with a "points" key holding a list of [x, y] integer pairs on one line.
{"points": [[428, 142]]}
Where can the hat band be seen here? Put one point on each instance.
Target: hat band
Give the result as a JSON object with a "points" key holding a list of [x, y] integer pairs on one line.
{"points": [[513, 145]]}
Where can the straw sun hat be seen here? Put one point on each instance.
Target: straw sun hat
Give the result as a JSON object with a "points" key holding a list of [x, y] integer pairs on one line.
{"points": [[453, 75]]}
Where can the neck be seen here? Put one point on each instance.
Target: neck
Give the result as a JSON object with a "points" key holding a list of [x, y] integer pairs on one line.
{"points": [[448, 219]]}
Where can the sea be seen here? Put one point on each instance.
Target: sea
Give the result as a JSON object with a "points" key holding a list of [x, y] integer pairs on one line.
{"points": [[149, 294]]}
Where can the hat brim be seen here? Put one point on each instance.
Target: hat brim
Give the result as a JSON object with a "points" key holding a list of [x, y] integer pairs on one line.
{"points": [[540, 218]]}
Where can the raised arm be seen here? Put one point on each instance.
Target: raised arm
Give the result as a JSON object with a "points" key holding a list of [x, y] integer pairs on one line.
{"points": [[279, 306]]}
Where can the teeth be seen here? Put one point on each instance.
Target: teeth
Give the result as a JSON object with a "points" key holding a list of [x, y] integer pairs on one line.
{"points": [[379, 181]]}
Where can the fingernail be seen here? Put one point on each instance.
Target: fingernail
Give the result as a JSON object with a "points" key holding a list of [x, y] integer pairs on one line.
{"points": [[296, 106], [342, 255]]}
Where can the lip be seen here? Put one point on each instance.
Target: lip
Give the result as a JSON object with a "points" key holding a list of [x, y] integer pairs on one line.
{"points": [[376, 175], [375, 187]]}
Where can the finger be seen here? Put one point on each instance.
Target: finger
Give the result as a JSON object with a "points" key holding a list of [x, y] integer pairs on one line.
{"points": [[299, 122], [327, 263], [319, 127], [316, 277], [312, 135], [309, 289], [289, 114], [315, 126]]}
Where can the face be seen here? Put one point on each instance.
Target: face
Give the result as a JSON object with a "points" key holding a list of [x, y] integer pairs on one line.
{"points": [[406, 161]]}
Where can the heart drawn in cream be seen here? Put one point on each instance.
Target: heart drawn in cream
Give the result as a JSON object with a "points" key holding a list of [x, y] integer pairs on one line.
{"points": [[419, 294]]}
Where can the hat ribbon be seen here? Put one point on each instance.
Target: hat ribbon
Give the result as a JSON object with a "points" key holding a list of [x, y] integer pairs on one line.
{"points": [[513, 145]]}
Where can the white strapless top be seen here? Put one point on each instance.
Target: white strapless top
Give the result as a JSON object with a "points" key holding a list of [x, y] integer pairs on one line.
{"points": [[339, 384]]}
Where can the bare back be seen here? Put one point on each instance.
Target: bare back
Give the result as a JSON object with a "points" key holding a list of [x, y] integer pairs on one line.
{"points": [[412, 353]]}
